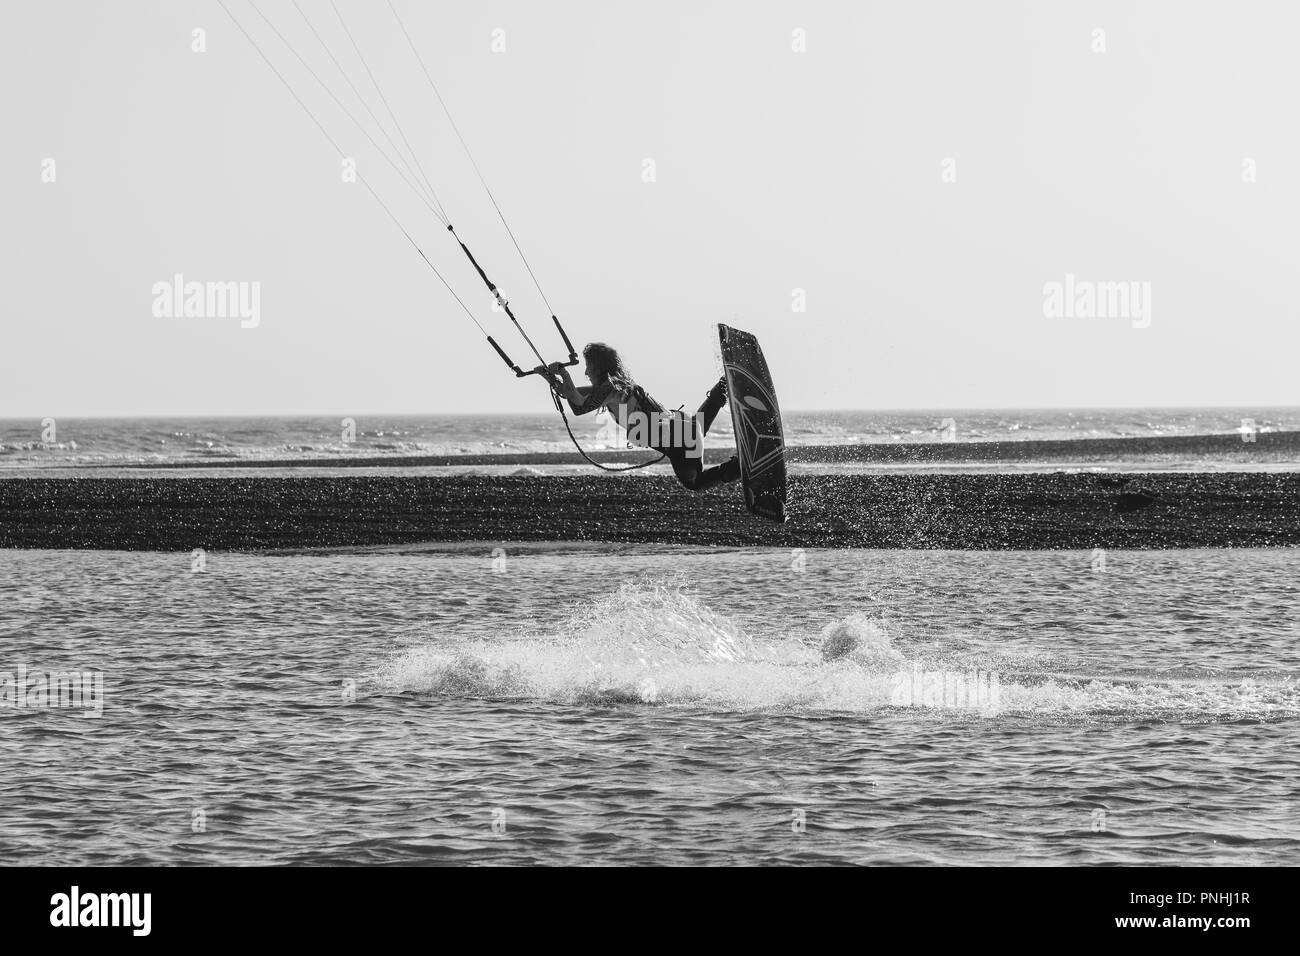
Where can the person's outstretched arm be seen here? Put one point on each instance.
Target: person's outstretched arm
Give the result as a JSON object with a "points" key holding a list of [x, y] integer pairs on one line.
{"points": [[582, 399]]}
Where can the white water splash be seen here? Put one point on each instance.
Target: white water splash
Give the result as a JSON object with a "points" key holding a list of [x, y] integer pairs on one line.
{"points": [[656, 644]]}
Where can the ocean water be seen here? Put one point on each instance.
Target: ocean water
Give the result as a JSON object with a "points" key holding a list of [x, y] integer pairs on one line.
{"points": [[36, 443], [611, 705]]}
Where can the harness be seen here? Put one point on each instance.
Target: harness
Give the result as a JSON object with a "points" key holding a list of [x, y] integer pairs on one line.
{"points": [[643, 400]]}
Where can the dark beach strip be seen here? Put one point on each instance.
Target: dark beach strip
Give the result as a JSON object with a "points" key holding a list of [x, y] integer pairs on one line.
{"points": [[980, 511]]}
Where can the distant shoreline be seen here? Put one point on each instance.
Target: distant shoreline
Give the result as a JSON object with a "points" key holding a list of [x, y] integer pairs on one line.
{"points": [[1267, 448]]}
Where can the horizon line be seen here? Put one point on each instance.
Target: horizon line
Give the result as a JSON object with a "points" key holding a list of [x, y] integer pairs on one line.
{"points": [[546, 414]]}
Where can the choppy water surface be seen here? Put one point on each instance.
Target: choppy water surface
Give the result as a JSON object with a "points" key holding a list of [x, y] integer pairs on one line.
{"points": [[675, 705], [27, 444]]}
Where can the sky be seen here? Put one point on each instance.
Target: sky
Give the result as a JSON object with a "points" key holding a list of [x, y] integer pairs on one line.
{"points": [[881, 192]]}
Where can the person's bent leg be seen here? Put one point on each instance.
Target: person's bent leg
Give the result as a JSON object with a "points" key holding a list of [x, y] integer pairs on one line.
{"points": [[693, 475], [713, 403], [686, 469], [729, 470]]}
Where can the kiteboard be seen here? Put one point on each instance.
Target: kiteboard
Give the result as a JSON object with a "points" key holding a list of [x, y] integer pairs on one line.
{"points": [[756, 418]]}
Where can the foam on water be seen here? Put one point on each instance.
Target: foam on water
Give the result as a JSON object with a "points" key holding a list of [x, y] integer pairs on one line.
{"points": [[654, 644]]}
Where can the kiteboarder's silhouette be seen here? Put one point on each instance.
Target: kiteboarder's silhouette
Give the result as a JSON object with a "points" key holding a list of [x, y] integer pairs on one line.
{"points": [[613, 388]]}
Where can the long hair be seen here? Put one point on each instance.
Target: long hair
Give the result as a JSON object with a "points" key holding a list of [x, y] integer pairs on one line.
{"points": [[608, 364]]}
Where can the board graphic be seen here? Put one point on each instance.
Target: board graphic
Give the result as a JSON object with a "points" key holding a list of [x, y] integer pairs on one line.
{"points": [[756, 418]]}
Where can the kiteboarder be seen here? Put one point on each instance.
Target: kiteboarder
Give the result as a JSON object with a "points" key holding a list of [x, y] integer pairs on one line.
{"points": [[613, 388], [756, 418]]}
